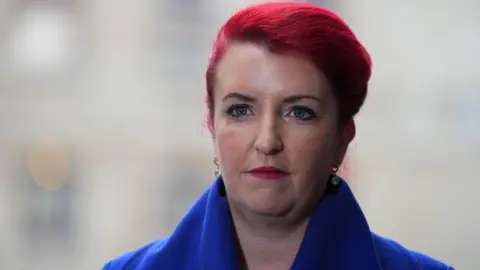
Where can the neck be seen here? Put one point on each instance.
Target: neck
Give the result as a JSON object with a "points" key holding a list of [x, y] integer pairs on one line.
{"points": [[268, 242]]}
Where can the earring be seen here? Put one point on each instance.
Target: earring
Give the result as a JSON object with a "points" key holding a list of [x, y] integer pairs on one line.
{"points": [[217, 170], [334, 179]]}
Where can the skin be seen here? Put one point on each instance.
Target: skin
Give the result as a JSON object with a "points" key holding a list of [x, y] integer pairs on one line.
{"points": [[274, 110]]}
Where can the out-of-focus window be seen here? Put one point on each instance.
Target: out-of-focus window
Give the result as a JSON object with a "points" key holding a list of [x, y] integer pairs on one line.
{"points": [[468, 123], [181, 181], [184, 42], [183, 190], [189, 10], [44, 200], [43, 38]]}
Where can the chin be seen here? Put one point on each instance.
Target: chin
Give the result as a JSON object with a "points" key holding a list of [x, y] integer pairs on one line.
{"points": [[268, 207]]}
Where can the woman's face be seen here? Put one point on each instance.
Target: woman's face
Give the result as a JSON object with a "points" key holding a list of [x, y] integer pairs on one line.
{"points": [[274, 110]]}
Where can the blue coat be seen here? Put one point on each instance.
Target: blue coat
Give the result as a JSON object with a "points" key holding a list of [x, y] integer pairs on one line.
{"points": [[337, 238]]}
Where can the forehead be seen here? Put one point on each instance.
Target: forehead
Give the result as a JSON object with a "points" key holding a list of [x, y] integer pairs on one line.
{"points": [[252, 67]]}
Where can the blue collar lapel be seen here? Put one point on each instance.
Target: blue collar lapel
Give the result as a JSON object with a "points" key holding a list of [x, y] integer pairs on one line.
{"points": [[338, 236]]}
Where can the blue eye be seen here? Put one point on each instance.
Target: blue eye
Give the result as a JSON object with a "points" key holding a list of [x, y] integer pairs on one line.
{"points": [[302, 113], [239, 111]]}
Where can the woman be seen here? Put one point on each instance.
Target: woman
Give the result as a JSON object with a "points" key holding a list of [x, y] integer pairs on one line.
{"points": [[283, 85]]}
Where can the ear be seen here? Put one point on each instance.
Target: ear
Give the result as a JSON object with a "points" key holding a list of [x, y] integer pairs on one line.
{"points": [[211, 129], [347, 134], [209, 123], [215, 148]]}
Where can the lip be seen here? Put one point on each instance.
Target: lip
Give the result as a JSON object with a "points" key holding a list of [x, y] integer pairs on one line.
{"points": [[267, 173]]}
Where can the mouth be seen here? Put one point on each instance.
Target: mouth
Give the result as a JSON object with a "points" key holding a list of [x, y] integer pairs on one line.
{"points": [[268, 173]]}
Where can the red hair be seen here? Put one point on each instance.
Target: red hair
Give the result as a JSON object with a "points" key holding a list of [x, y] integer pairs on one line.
{"points": [[310, 31]]}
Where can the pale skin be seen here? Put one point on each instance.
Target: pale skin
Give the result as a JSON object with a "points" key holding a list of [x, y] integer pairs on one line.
{"points": [[274, 110]]}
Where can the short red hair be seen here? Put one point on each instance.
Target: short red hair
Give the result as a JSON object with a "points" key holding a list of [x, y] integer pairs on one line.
{"points": [[313, 32]]}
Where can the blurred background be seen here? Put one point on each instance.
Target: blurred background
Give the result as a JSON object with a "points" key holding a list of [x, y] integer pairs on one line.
{"points": [[103, 147]]}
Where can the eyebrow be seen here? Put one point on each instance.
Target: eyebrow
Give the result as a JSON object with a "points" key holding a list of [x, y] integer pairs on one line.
{"points": [[238, 96], [295, 98], [290, 99]]}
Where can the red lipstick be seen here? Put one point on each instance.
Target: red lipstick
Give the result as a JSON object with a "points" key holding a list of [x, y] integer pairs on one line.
{"points": [[267, 173]]}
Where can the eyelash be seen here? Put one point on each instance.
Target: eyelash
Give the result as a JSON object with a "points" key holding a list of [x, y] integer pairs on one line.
{"points": [[232, 109], [306, 110]]}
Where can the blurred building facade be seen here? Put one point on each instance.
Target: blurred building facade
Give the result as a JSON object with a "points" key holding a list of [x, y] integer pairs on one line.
{"points": [[103, 146]]}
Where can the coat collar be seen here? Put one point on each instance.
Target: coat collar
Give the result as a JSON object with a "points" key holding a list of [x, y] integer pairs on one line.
{"points": [[337, 236]]}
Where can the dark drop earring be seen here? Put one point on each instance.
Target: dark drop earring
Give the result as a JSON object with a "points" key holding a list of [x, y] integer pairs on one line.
{"points": [[335, 181]]}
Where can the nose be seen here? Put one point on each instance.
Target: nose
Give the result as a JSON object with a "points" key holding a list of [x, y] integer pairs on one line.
{"points": [[269, 140]]}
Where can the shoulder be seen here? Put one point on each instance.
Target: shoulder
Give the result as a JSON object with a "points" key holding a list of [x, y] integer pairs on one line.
{"points": [[141, 258], [177, 251], [393, 256]]}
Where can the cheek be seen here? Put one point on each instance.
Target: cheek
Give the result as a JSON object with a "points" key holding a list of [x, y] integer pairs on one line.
{"points": [[232, 144], [311, 150]]}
